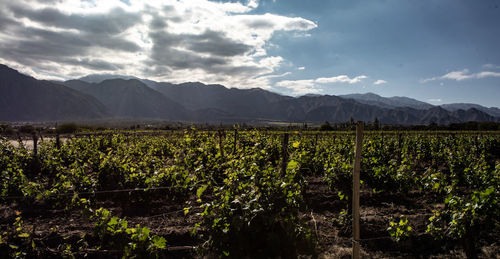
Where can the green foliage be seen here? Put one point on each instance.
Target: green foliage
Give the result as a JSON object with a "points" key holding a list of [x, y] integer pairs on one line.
{"points": [[325, 126], [67, 128], [399, 230], [135, 242], [344, 222], [246, 205], [27, 129]]}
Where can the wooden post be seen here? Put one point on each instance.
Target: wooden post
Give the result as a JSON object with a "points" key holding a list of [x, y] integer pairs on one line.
{"points": [[284, 154], [220, 143], [35, 141], [58, 141], [355, 185], [21, 144], [235, 140], [399, 141], [400, 151]]}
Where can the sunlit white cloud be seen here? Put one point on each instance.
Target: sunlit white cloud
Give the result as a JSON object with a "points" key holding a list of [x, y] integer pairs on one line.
{"points": [[379, 82], [168, 40], [340, 79], [308, 86], [491, 66], [461, 75], [299, 87], [435, 100]]}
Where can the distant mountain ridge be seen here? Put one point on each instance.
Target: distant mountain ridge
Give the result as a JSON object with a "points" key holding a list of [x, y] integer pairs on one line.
{"points": [[131, 98], [98, 78], [397, 101], [388, 102], [493, 111], [23, 98]]}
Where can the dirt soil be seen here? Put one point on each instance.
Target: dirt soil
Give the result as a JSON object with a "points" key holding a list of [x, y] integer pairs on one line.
{"points": [[51, 227]]}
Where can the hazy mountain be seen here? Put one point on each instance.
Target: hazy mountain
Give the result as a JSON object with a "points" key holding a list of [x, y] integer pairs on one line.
{"points": [[336, 109], [438, 115], [473, 114], [493, 111], [232, 104], [388, 102], [252, 103], [97, 78], [23, 98], [131, 98]]}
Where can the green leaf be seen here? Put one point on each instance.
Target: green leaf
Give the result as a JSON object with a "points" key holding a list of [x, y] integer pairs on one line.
{"points": [[113, 221], [488, 191], [292, 165], [159, 242], [200, 190], [24, 235]]}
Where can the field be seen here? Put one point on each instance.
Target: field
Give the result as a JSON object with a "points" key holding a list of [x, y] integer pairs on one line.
{"points": [[254, 193]]}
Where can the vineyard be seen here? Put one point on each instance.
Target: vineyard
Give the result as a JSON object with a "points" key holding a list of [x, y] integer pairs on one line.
{"points": [[250, 193]]}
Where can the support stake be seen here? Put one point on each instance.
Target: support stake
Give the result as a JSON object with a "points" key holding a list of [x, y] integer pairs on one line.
{"points": [[35, 147], [284, 154], [355, 188], [235, 142]]}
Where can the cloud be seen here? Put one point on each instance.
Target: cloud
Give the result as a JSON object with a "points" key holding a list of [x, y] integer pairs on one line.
{"points": [[379, 82], [307, 86], [435, 100], [487, 74], [171, 40], [301, 68], [340, 79], [113, 22], [490, 66], [461, 75], [299, 87]]}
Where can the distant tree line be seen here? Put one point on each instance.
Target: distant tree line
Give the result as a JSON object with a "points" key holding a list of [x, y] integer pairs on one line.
{"points": [[469, 126], [70, 128]]}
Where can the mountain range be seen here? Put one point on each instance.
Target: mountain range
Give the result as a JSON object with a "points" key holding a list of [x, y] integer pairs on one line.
{"points": [[24, 98]]}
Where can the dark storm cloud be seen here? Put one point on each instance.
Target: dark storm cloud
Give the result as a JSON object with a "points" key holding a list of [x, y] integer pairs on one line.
{"points": [[114, 22], [5, 21], [94, 64], [29, 53], [260, 24], [156, 70], [55, 37], [210, 42], [36, 46], [180, 59], [33, 46], [50, 43], [168, 50], [157, 23], [39, 43], [216, 43]]}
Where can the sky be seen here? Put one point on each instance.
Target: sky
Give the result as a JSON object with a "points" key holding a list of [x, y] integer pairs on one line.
{"points": [[437, 51]]}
